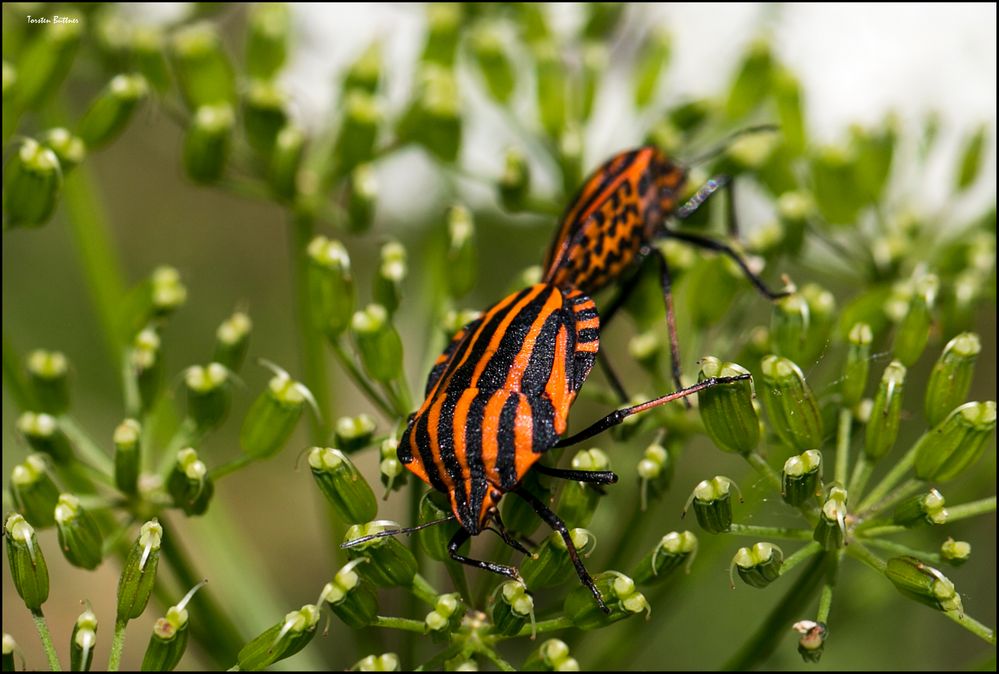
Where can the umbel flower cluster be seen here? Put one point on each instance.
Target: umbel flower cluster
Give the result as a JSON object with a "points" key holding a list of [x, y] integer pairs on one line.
{"points": [[854, 446]]}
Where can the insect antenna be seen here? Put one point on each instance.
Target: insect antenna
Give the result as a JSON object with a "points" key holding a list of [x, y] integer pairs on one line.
{"points": [[394, 532], [724, 143]]}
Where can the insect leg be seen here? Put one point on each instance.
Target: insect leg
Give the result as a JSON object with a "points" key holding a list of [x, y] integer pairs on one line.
{"points": [[674, 342], [589, 476], [711, 187], [558, 525], [718, 246], [459, 539], [500, 529]]}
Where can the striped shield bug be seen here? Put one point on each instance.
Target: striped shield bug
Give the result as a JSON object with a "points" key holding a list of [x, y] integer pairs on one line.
{"points": [[496, 400]]}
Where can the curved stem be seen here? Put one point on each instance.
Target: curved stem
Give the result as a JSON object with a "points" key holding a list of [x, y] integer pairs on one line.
{"points": [[978, 629], [798, 556], [46, 637], [424, 590], [761, 466], [406, 624], [893, 477], [356, 376], [973, 509], [117, 646], [770, 532], [899, 549], [231, 466], [90, 450], [843, 446]]}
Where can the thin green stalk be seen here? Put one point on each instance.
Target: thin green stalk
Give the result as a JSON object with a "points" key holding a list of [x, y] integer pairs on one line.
{"points": [[899, 549], [117, 645], [882, 530], [405, 624], [973, 626], [857, 550], [424, 590], [861, 475], [360, 380], [46, 637], [456, 572], [798, 556], [758, 531], [231, 466], [89, 449], [826, 596], [893, 477], [900, 493], [843, 446], [187, 435], [436, 663], [130, 388], [973, 509], [541, 627], [761, 466], [495, 658]]}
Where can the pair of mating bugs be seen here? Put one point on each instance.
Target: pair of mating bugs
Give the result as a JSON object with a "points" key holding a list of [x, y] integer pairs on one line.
{"points": [[498, 397]]}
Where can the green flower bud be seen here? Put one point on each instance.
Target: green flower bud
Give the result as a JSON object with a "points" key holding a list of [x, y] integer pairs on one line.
{"points": [[366, 70], [579, 500], [822, 317], [914, 330], [954, 552], [268, 28], [203, 69], [886, 414], [570, 156], [69, 149], [79, 536], [801, 479], [655, 470], [551, 656], [32, 180], [232, 340], [342, 485], [618, 592], [462, 257], [34, 492], [391, 273], [712, 501], [789, 324], [955, 443], [168, 641], [444, 21], [206, 145], [208, 394], [386, 662], [757, 566], [551, 565], [674, 550], [363, 115], [351, 596], [167, 291], [392, 563], [149, 56], [812, 641], [831, 529], [753, 81], [138, 575], [434, 120], [49, 57], [354, 433], [331, 285], [551, 80], [47, 372], [787, 95], [111, 111], [511, 607], [971, 159], [489, 53], [264, 115], [596, 57], [127, 456], [280, 641], [9, 645], [791, 405], [392, 473], [289, 146], [951, 378], [515, 183], [874, 150], [925, 508], [727, 409], [189, 483], [82, 642], [834, 185], [363, 194], [794, 211], [923, 583], [273, 415], [28, 570], [447, 614], [857, 365], [146, 360], [44, 435], [378, 343], [433, 540], [653, 59]]}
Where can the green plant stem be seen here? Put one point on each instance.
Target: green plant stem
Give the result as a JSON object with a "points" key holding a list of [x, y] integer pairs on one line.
{"points": [[826, 596], [900, 493], [424, 590], [843, 446], [893, 477], [231, 466], [861, 475], [972, 509], [13, 376], [405, 624], [456, 572], [859, 552], [761, 466], [541, 627], [495, 658], [883, 530], [130, 388], [46, 637], [187, 435], [360, 380], [973, 626], [436, 663], [117, 645], [770, 532], [899, 549], [89, 449], [800, 555]]}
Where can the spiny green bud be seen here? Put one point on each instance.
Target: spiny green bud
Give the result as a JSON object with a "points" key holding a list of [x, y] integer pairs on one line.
{"points": [[111, 111], [268, 28], [386, 662], [551, 565], [264, 115], [914, 329], [69, 149], [208, 394], [34, 492], [351, 596], [712, 501], [44, 435], [203, 70], [79, 536], [801, 479], [923, 583], [446, 617], [886, 414], [138, 574], [168, 641], [82, 642], [28, 570], [127, 455], [812, 641], [378, 342], [789, 323], [147, 42], [9, 645], [280, 641], [511, 607], [331, 285], [857, 365], [515, 182], [32, 180], [579, 500], [618, 592], [363, 194], [168, 292], [49, 57], [354, 433], [675, 549], [462, 257], [363, 116], [655, 470], [727, 409], [822, 316], [342, 485], [954, 552], [791, 405], [146, 360], [47, 371], [289, 146], [951, 378], [434, 121], [925, 508], [433, 540], [391, 273], [189, 483], [490, 56], [956, 442], [551, 656], [365, 72], [232, 340], [392, 473], [392, 563], [444, 25], [273, 415], [831, 529], [758, 566], [206, 145]]}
